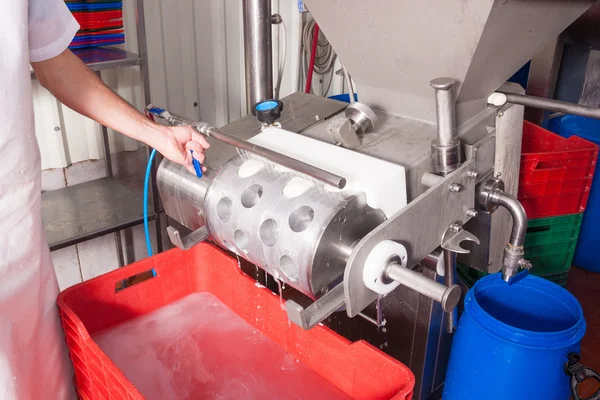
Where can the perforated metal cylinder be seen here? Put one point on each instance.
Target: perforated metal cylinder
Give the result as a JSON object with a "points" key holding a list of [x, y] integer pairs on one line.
{"points": [[295, 229]]}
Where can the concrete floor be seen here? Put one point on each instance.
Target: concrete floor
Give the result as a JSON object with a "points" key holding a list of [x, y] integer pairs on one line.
{"points": [[585, 286]]}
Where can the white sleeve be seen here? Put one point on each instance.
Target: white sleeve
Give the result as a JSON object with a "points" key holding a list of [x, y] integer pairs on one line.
{"points": [[51, 29]]}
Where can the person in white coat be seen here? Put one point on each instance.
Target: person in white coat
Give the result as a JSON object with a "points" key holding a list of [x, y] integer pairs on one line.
{"points": [[34, 361]]}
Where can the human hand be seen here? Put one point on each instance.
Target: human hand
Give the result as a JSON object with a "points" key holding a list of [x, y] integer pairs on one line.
{"points": [[178, 142]]}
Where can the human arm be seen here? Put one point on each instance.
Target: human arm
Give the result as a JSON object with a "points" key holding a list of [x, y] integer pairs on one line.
{"points": [[78, 87]]}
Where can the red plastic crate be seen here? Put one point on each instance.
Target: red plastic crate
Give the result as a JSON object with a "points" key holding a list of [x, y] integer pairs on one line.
{"points": [[358, 369], [556, 173]]}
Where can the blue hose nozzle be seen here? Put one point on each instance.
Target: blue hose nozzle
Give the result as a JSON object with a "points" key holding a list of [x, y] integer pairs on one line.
{"points": [[197, 165]]}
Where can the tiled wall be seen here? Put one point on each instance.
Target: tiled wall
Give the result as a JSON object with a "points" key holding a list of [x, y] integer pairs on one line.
{"points": [[98, 256]]}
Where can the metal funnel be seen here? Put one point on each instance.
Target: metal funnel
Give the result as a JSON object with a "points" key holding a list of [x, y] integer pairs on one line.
{"points": [[393, 48]]}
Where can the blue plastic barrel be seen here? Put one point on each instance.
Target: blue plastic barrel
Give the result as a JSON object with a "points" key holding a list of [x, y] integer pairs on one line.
{"points": [[512, 341], [589, 236]]}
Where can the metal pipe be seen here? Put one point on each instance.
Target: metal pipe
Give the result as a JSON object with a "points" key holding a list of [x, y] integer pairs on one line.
{"points": [[258, 56], [449, 279], [448, 297], [518, 214], [278, 158], [552, 105], [445, 107]]}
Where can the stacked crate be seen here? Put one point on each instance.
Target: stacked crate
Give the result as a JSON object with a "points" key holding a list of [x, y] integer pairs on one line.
{"points": [[554, 185], [101, 23]]}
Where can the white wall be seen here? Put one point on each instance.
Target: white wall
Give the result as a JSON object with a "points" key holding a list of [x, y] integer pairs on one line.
{"points": [[195, 52]]}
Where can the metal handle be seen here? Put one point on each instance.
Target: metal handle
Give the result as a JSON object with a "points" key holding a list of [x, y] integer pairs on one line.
{"points": [[188, 241], [579, 373], [448, 297], [552, 105], [317, 312], [278, 158]]}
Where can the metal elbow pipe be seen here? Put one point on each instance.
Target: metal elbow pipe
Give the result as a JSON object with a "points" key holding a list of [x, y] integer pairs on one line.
{"points": [[517, 212], [492, 196]]}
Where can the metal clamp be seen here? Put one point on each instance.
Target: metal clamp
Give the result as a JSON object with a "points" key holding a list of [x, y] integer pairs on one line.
{"points": [[187, 242], [317, 312], [579, 373], [453, 237]]}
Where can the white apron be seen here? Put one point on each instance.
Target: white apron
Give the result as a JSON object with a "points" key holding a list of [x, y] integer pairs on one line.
{"points": [[34, 361]]}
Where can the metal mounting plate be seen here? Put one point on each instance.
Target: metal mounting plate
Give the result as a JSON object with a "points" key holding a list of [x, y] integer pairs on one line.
{"points": [[419, 227]]}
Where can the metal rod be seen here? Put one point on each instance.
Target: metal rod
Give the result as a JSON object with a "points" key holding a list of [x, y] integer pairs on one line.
{"points": [[445, 107], [449, 279], [144, 72], [430, 180], [552, 105], [258, 54], [448, 297], [278, 158]]}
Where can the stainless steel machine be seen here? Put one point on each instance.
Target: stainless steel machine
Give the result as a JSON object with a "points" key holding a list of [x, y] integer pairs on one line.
{"points": [[433, 99]]}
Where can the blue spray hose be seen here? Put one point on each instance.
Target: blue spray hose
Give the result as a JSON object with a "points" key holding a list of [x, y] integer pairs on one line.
{"points": [[146, 185], [197, 167]]}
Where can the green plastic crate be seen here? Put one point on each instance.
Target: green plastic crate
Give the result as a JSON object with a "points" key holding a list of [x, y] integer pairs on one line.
{"points": [[550, 243]]}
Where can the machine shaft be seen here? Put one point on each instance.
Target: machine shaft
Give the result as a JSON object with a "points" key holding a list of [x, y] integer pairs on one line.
{"points": [[552, 105], [448, 297]]}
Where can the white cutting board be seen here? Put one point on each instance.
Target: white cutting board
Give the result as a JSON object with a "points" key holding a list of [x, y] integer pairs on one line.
{"points": [[383, 182]]}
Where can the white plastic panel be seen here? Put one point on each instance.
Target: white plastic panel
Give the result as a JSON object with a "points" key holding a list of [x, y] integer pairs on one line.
{"points": [[383, 182]]}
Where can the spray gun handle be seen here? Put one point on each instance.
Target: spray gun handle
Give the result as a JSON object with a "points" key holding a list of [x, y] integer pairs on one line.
{"points": [[197, 165]]}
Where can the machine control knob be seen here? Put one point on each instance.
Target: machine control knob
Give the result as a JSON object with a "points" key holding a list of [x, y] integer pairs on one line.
{"points": [[268, 111]]}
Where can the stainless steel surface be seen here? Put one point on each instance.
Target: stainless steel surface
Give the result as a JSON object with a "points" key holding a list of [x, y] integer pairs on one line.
{"points": [[304, 241], [362, 117], [188, 241], [434, 261], [479, 43], [449, 281], [553, 105], [455, 235], [395, 139], [88, 210], [590, 96], [102, 58], [448, 297], [317, 312], [543, 74], [445, 110], [182, 193], [445, 158], [401, 228], [503, 148], [484, 197], [445, 149], [343, 134], [281, 159], [258, 53]]}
